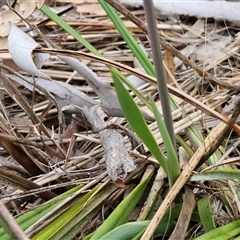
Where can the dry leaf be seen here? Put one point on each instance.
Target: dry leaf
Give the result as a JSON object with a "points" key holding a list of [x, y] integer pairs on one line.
{"points": [[117, 160], [24, 7], [65, 94], [189, 203], [196, 29], [20, 47], [4, 45], [94, 8], [169, 62], [212, 52]]}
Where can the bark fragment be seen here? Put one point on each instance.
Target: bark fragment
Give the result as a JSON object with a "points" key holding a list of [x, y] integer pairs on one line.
{"points": [[118, 162]]}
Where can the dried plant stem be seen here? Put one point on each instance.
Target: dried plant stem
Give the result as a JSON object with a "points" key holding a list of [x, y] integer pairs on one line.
{"points": [[222, 136], [159, 68], [184, 96], [10, 224]]}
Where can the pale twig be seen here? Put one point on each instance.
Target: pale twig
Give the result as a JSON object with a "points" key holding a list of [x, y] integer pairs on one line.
{"points": [[10, 225]]}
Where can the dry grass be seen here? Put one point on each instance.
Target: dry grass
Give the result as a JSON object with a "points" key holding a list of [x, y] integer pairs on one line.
{"points": [[34, 142]]}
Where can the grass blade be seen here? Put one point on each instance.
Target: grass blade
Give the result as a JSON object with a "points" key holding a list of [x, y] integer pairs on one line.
{"points": [[54, 226], [60, 22], [123, 210], [206, 214], [130, 230], [216, 175], [172, 159], [29, 218], [222, 232], [136, 120], [77, 222]]}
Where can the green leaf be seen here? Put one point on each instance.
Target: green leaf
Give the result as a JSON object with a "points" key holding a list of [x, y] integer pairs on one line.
{"points": [[133, 88], [172, 159], [206, 214], [216, 175], [79, 220], [229, 235], [123, 210], [226, 232], [136, 120], [60, 22], [29, 218], [54, 226], [174, 211], [185, 146], [128, 231]]}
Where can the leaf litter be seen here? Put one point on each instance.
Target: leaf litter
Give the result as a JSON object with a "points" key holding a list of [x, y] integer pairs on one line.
{"points": [[53, 143]]}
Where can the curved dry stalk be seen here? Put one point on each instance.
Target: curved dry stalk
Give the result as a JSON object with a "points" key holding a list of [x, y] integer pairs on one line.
{"points": [[147, 78]]}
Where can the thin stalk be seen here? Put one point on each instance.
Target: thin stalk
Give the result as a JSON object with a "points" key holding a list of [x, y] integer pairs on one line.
{"points": [[160, 72], [10, 225]]}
